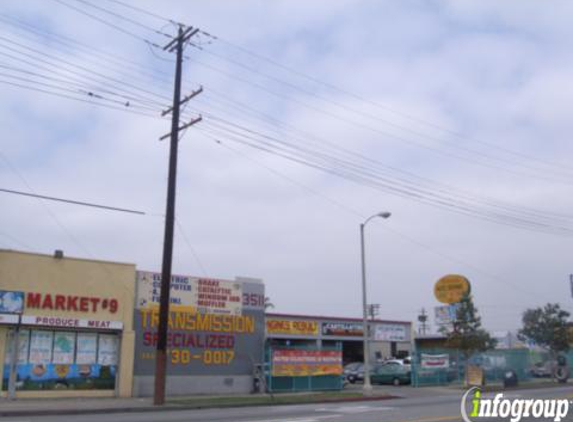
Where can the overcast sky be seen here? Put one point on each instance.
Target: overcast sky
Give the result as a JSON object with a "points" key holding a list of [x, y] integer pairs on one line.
{"points": [[468, 100]]}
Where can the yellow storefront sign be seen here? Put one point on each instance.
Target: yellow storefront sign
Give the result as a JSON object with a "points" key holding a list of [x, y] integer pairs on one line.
{"points": [[451, 288], [292, 328]]}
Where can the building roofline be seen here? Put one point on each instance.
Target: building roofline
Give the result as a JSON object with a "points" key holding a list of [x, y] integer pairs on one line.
{"points": [[272, 315], [71, 258]]}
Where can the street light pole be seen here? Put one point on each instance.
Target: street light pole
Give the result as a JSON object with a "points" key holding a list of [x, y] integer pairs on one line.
{"points": [[367, 388]]}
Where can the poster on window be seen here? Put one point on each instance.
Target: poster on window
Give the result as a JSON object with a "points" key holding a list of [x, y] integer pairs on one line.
{"points": [[86, 349], [23, 347], [107, 349], [41, 347], [64, 347]]}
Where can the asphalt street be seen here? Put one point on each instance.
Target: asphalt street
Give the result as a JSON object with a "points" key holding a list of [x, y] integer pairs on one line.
{"points": [[420, 409]]}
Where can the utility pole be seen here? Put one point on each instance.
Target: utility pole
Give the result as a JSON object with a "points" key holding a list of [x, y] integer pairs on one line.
{"points": [[161, 352], [423, 318]]}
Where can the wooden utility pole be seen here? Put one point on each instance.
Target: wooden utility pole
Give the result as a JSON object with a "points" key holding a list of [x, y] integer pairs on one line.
{"points": [[161, 351]]}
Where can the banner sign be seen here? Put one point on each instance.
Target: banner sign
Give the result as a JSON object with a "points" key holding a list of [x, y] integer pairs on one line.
{"points": [[435, 361], [292, 328], [306, 363], [201, 340], [8, 319], [342, 329], [191, 293], [391, 332], [445, 315], [65, 322], [11, 302]]}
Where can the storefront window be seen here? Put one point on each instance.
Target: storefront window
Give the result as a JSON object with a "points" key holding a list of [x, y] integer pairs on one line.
{"points": [[50, 360], [87, 348]]}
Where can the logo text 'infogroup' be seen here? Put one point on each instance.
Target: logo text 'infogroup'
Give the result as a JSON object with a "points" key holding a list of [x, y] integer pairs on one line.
{"points": [[513, 410]]}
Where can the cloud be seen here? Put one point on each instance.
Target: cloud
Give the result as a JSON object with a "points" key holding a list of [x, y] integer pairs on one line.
{"points": [[493, 73]]}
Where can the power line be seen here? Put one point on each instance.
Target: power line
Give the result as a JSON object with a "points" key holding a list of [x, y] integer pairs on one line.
{"points": [[146, 12], [394, 125], [338, 161], [82, 69], [510, 285], [117, 15], [69, 97], [375, 165], [460, 207], [87, 91], [375, 130], [112, 25], [72, 201], [348, 93], [382, 106], [100, 57]]}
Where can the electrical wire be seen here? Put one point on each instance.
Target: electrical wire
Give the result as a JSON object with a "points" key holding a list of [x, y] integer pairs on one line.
{"points": [[370, 163], [458, 206], [71, 201], [346, 107], [101, 57]]}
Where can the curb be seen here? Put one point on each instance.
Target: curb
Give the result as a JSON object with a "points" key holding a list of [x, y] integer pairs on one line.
{"points": [[170, 408]]}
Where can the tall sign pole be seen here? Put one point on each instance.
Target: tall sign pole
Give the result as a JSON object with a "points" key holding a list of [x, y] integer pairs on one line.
{"points": [[161, 351]]}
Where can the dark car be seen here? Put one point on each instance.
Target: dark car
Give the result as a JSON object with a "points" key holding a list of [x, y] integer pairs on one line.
{"points": [[354, 372], [394, 374]]}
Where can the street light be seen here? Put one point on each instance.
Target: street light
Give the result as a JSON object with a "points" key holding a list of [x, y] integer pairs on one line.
{"points": [[367, 388]]}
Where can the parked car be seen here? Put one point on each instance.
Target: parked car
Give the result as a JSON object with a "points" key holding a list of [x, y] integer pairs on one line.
{"points": [[390, 373], [406, 363], [354, 372], [543, 369]]}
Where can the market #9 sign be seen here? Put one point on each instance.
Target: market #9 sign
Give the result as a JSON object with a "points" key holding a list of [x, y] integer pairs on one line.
{"points": [[306, 363], [201, 342], [451, 288]]}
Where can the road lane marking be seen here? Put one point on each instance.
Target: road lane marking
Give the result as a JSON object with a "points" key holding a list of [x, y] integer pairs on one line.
{"points": [[436, 419], [301, 419], [351, 409]]}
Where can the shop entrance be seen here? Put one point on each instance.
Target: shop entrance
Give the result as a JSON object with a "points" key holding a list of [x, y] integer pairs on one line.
{"points": [[352, 350]]}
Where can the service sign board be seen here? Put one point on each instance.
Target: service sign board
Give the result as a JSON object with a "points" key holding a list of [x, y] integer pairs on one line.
{"points": [[306, 363], [445, 315], [201, 340], [451, 288], [428, 361], [11, 302], [391, 332], [280, 327], [342, 329], [191, 293]]}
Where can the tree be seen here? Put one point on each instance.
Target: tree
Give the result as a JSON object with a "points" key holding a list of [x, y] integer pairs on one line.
{"points": [[467, 334], [268, 303], [547, 327]]}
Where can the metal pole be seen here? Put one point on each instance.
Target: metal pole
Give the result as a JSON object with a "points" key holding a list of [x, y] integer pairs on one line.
{"points": [[367, 388], [161, 351], [14, 362]]}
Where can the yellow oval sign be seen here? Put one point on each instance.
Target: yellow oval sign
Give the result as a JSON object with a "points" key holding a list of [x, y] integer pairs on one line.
{"points": [[451, 288]]}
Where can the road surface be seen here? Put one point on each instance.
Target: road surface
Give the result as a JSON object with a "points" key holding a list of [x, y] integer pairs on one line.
{"points": [[415, 409]]}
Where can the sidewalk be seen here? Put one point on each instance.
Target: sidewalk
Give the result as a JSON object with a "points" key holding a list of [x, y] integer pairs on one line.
{"points": [[77, 406]]}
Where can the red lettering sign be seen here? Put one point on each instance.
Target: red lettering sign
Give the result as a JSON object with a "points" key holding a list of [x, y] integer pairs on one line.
{"points": [[70, 303]]}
